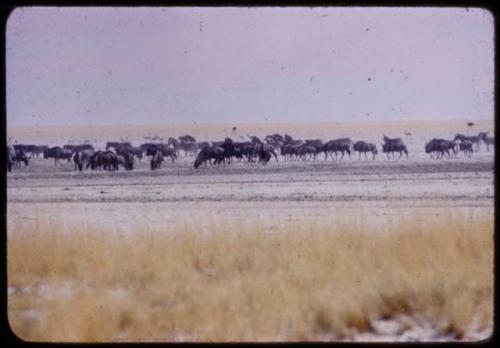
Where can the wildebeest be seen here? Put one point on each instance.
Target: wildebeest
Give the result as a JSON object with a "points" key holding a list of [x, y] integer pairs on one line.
{"points": [[208, 153], [94, 161], [21, 157], [264, 152], [166, 151], [394, 145], [57, 153], [32, 150], [129, 151], [11, 158], [273, 137], [289, 151], [245, 149], [364, 147], [439, 147], [466, 147], [305, 150], [474, 139], [144, 147], [187, 138], [190, 148], [37, 150], [275, 140], [106, 160], [18, 147], [203, 144], [82, 147], [342, 145], [260, 148], [81, 158], [316, 143], [117, 144], [128, 157], [78, 160], [156, 158], [487, 140]]}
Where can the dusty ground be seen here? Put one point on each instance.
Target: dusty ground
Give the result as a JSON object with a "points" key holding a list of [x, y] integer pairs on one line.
{"points": [[284, 191]]}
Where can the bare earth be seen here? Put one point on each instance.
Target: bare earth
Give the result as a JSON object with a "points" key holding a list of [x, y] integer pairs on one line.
{"points": [[280, 191]]}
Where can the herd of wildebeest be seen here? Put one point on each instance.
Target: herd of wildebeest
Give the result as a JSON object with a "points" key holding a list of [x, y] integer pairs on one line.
{"points": [[124, 154]]}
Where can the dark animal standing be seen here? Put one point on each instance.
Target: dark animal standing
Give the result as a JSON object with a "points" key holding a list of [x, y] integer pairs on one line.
{"points": [[21, 157], [106, 160], [290, 151], [57, 153], [466, 147], [437, 148], [487, 140], [305, 150], [11, 158], [166, 151], [78, 160], [207, 154], [342, 145], [364, 147], [473, 139], [394, 145]]}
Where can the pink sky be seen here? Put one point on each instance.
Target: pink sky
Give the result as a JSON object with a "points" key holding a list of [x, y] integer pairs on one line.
{"points": [[81, 66]]}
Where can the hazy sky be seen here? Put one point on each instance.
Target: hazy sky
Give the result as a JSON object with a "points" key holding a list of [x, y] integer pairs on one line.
{"points": [[80, 66]]}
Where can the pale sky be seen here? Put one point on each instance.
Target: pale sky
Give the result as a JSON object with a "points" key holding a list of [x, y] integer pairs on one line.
{"points": [[105, 66]]}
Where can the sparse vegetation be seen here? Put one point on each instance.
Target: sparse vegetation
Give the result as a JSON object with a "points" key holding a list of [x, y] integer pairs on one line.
{"points": [[307, 281]]}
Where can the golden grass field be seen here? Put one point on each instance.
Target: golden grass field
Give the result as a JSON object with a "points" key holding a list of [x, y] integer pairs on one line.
{"points": [[304, 281]]}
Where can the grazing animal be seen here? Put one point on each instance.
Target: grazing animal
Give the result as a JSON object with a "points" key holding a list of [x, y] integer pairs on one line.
{"points": [[394, 145], [129, 151], [21, 157], [82, 157], [106, 160], [364, 147], [187, 138], [437, 148], [342, 145], [259, 147], [11, 158], [116, 144], [78, 160], [305, 150], [207, 154], [466, 147], [144, 147], [263, 152], [245, 149], [317, 144], [473, 139], [203, 144], [37, 150], [57, 153], [190, 148], [166, 151], [290, 151], [487, 140]]}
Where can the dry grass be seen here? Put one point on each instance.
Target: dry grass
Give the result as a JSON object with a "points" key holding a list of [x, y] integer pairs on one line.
{"points": [[303, 282]]}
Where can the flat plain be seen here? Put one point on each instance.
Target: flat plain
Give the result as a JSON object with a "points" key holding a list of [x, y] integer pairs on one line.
{"points": [[369, 196]]}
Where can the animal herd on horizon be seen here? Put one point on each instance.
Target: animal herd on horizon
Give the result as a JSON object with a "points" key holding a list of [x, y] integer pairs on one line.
{"points": [[124, 154]]}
